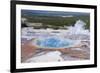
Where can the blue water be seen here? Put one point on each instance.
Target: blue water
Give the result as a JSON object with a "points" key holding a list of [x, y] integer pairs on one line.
{"points": [[55, 42]]}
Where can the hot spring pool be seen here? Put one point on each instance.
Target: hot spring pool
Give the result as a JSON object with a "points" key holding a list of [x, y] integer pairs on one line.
{"points": [[54, 43]]}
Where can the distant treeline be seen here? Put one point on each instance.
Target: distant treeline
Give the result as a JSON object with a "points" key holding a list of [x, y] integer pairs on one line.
{"points": [[57, 21]]}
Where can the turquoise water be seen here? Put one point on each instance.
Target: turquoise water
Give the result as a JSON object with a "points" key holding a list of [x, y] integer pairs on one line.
{"points": [[53, 42]]}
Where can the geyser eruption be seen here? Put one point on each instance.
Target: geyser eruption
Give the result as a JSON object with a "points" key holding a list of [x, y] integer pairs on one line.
{"points": [[78, 28]]}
